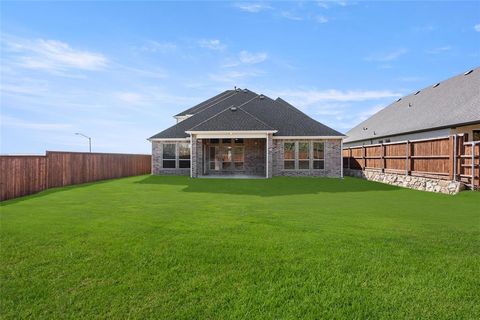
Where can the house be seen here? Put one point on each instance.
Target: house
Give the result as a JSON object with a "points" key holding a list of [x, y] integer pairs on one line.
{"points": [[241, 133], [442, 109]]}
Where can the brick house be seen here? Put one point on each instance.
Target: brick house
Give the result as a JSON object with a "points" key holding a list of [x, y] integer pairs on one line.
{"points": [[242, 133]]}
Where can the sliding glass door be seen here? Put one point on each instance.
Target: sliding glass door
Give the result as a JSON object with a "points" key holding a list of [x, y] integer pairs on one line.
{"points": [[227, 155]]}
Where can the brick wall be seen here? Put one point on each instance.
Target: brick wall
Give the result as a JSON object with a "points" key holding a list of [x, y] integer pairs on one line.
{"points": [[332, 164], [157, 160]]}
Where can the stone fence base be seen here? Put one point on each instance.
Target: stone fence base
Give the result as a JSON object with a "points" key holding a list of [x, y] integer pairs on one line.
{"points": [[412, 182]]}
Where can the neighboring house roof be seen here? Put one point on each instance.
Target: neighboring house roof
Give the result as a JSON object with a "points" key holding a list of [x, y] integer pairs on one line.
{"points": [[253, 112], [449, 103]]}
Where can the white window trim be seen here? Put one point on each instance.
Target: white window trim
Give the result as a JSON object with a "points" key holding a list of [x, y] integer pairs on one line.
{"points": [[297, 155], [313, 152], [294, 155], [169, 159], [297, 160]]}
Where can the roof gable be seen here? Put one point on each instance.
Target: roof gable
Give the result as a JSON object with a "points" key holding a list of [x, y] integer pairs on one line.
{"points": [[234, 119], [205, 104]]}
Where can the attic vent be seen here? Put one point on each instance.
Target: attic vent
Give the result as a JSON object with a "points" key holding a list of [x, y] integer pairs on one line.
{"points": [[399, 99], [237, 89], [417, 92], [410, 104], [261, 96], [245, 90], [436, 85], [233, 108], [468, 72], [365, 128]]}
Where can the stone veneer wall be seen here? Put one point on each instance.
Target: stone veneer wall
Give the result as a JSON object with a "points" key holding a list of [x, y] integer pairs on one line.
{"points": [[332, 165], [412, 182], [157, 160]]}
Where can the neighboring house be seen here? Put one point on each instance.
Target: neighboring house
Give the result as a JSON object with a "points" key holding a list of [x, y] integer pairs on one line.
{"points": [[239, 132], [448, 107]]}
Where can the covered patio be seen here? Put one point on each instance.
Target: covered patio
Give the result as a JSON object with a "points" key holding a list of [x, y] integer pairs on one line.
{"points": [[231, 154]]}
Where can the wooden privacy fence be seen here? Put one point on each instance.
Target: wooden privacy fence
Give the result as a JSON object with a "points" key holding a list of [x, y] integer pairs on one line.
{"points": [[448, 158], [23, 175]]}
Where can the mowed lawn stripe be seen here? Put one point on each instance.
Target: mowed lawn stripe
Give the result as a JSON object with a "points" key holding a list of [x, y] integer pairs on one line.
{"points": [[174, 247]]}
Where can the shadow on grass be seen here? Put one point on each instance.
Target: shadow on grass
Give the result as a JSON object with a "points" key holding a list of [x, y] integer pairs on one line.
{"points": [[46, 192], [277, 186]]}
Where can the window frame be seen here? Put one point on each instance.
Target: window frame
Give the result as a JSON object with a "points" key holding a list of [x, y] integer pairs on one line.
{"points": [[475, 131], [318, 160], [303, 160], [180, 160], [290, 159], [164, 159]]}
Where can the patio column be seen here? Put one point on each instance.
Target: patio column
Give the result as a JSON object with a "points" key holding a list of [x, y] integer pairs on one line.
{"points": [[269, 155], [193, 156]]}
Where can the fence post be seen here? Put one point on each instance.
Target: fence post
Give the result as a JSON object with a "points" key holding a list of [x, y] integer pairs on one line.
{"points": [[349, 156], [363, 158], [451, 154], [407, 158], [383, 158]]}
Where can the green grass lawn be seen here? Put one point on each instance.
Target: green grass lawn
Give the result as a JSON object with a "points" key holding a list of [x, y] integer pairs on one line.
{"points": [[285, 248]]}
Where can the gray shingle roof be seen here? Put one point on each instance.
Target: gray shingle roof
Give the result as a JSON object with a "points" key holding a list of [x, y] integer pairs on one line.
{"points": [[454, 101], [199, 107], [254, 112], [234, 119]]}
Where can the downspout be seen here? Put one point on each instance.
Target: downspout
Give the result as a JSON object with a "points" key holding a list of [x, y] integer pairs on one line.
{"points": [[191, 156], [341, 158], [266, 157], [455, 158]]}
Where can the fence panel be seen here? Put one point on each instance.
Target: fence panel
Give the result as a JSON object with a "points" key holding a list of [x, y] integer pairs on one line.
{"points": [[23, 175], [441, 158]]}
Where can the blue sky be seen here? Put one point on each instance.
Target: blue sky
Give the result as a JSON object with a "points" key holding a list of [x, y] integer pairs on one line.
{"points": [[119, 71]]}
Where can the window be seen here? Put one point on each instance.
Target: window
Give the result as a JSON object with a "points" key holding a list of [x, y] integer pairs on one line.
{"points": [[318, 156], [238, 158], [239, 141], [226, 140], [214, 141], [183, 155], [387, 140], [169, 155], [476, 135], [303, 155], [226, 157], [289, 155]]}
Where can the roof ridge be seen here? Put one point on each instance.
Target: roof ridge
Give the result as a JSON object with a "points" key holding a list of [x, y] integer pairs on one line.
{"points": [[226, 94], [286, 103], [216, 114], [217, 102], [255, 117]]}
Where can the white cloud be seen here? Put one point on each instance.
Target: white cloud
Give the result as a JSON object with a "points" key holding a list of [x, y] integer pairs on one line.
{"points": [[254, 7], [387, 56], [232, 76], [309, 97], [252, 58], [156, 46], [326, 4], [8, 121], [130, 97], [321, 19], [439, 50], [212, 44], [477, 27], [53, 55], [291, 16]]}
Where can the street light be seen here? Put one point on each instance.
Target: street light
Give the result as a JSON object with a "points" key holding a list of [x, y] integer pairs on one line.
{"points": [[89, 140]]}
